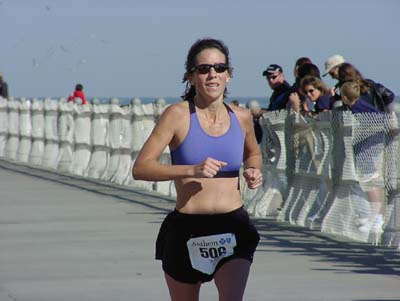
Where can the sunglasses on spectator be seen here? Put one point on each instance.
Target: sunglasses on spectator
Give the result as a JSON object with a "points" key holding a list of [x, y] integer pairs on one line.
{"points": [[205, 68], [310, 91], [272, 77]]}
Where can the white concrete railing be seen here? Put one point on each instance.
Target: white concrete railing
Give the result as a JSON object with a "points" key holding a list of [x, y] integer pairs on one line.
{"points": [[309, 166], [99, 141]]}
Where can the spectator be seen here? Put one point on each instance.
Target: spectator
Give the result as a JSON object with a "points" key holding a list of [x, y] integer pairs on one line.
{"points": [[332, 65], [298, 101], [374, 93], [78, 93], [256, 112], [293, 93], [318, 93], [307, 69], [3, 88], [316, 90], [235, 103], [300, 61], [276, 81], [368, 157], [351, 97]]}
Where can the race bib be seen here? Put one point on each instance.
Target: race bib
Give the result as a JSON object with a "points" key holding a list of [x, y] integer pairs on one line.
{"points": [[205, 252]]}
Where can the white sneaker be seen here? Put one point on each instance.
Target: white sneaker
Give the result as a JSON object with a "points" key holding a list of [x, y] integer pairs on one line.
{"points": [[365, 228], [373, 225], [363, 224], [377, 225], [361, 221]]}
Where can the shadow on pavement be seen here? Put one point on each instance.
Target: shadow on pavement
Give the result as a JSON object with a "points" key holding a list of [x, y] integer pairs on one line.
{"points": [[346, 256], [123, 193]]}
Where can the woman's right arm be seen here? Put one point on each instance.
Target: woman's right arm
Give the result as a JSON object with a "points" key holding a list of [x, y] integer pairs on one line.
{"points": [[147, 166]]}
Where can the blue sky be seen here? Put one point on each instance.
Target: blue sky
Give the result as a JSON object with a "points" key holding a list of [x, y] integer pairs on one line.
{"points": [[129, 48]]}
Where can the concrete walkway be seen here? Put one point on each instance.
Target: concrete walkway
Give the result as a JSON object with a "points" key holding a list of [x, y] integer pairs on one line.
{"points": [[63, 238]]}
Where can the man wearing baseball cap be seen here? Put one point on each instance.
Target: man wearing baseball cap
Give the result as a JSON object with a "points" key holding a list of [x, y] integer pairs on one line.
{"points": [[276, 81]]}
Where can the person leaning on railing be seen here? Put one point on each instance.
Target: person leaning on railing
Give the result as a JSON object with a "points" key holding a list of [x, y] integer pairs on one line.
{"points": [[317, 92], [372, 92], [299, 101], [368, 159]]}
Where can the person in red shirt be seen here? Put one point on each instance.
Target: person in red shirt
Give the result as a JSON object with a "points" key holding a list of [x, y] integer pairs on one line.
{"points": [[78, 93]]}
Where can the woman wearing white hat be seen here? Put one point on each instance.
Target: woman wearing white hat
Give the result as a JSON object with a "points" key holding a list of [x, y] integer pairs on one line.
{"points": [[332, 65]]}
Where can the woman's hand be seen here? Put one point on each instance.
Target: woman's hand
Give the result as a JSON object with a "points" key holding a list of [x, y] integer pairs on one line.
{"points": [[294, 101], [253, 177], [208, 168]]}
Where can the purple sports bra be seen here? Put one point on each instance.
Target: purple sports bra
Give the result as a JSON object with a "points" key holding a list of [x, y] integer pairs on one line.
{"points": [[198, 145]]}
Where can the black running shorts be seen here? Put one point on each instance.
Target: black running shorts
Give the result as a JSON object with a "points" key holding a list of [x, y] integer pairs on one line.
{"points": [[177, 228]]}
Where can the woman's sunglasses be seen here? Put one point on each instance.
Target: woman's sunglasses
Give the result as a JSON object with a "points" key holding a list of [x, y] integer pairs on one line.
{"points": [[311, 91], [205, 68]]}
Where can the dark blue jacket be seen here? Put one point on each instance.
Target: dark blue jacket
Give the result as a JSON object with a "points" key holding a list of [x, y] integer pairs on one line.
{"points": [[279, 97]]}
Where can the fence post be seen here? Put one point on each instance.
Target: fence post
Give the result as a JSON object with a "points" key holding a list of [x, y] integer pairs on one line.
{"points": [[37, 147], [51, 147], [3, 125], [13, 129], [99, 140], [266, 201], [66, 135]]}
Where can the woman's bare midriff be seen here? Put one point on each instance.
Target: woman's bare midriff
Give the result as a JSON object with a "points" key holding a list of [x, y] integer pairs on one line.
{"points": [[207, 196]]}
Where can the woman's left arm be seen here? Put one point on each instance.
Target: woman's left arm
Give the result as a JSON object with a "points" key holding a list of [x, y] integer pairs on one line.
{"points": [[252, 158]]}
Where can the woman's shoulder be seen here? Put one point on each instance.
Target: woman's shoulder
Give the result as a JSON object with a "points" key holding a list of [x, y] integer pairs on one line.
{"points": [[243, 115], [177, 108], [325, 99], [326, 96], [325, 102], [240, 112], [176, 111]]}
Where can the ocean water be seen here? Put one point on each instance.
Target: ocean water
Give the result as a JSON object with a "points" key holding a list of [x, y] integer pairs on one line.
{"points": [[263, 100], [124, 101]]}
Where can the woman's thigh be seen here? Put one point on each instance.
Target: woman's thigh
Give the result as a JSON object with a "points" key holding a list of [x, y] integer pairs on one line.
{"points": [[180, 291], [231, 279]]}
